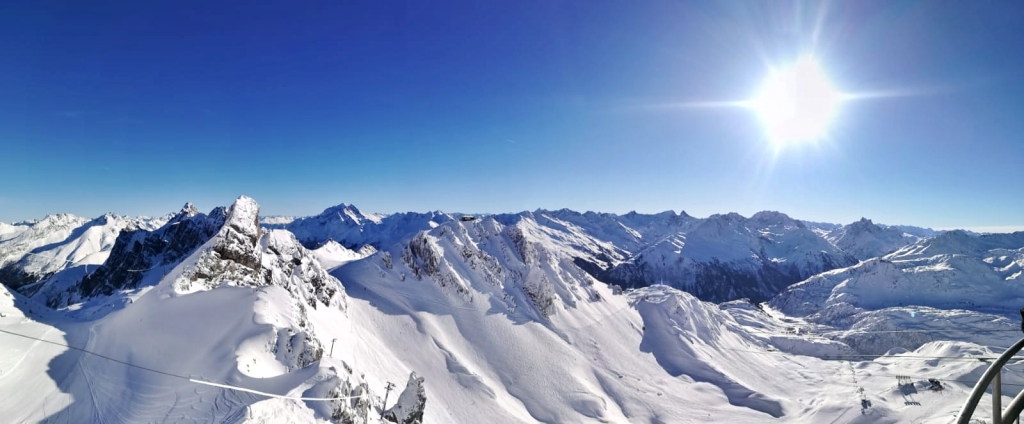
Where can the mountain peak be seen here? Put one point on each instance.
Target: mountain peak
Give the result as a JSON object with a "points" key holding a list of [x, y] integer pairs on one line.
{"points": [[727, 217], [244, 216], [189, 209], [864, 225], [775, 218], [348, 213], [341, 207]]}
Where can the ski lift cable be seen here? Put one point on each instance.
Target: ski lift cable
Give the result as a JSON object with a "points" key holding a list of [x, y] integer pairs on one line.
{"points": [[178, 376]]}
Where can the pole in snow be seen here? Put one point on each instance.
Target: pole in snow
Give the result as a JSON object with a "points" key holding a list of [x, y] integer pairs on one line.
{"points": [[332, 347], [387, 391]]}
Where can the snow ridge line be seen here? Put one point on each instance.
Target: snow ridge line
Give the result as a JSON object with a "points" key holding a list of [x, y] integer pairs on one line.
{"points": [[189, 379]]}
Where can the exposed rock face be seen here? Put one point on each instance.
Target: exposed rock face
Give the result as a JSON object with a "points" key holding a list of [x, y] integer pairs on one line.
{"points": [[233, 256], [532, 278], [242, 254], [411, 403], [138, 253], [290, 265]]}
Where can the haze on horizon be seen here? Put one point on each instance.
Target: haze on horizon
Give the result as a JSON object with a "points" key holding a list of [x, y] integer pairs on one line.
{"points": [[137, 109]]}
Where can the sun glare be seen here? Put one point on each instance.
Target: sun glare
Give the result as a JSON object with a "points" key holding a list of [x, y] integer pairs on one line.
{"points": [[797, 103]]}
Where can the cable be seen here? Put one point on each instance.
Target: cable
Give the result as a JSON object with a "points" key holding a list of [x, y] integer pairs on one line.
{"points": [[189, 379], [242, 389]]}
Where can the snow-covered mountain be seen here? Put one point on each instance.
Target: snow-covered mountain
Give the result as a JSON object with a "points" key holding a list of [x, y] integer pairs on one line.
{"points": [[953, 270], [352, 228], [208, 297], [726, 257], [503, 318], [60, 249], [719, 258], [865, 239], [954, 276]]}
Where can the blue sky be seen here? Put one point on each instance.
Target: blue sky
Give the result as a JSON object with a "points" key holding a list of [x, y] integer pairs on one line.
{"points": [[138, 107]]}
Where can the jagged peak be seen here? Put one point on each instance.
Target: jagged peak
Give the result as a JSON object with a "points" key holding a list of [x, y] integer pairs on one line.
{"points": [[348, 213], [55, 221], [864, 225], [105, 219], [954, 235], [429, 214], [244, 216], [189, 209], [727, 217], [341, 207], [557, 213], [59, 217]]}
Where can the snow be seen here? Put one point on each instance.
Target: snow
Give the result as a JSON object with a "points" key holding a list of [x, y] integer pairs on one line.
{"points": [[496, 320], [864, 239], [952, 271], [277, 220]]}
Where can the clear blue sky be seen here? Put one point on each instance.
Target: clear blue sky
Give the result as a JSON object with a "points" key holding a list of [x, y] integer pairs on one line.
{"points": [[486, 106]]}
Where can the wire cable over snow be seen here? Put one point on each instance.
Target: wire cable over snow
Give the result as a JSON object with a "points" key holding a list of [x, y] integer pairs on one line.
{"points": [[178, 376]]}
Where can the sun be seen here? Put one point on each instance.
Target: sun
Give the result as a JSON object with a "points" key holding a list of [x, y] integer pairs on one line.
{"points": [[797, 103]]}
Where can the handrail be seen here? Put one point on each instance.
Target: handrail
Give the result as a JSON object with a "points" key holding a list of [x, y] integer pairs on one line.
{"points": [[979, 389], [1014, 409]]}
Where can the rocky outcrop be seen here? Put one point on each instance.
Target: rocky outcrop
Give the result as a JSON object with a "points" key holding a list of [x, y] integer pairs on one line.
{"points": [[411, 403], [138, 253]]}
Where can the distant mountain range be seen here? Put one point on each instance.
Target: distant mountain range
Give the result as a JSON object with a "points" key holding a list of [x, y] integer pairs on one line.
{"points": [[718, 258]]}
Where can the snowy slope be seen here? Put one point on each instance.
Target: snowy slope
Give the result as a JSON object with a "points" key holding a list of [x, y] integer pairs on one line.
{"points": [[954, 280], [499, 318], [8, 231], [500, 328], [217, 315], [951, 271]]}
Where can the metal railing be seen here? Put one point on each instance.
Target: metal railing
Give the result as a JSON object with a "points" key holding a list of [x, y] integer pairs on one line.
{"points": [[993, 375]]}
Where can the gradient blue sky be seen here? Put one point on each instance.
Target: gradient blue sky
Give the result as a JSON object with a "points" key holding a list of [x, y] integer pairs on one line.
{"points": [[480, 106]]}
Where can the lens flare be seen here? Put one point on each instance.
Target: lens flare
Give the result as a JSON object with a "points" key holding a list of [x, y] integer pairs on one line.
{"points": [[797, 103]]}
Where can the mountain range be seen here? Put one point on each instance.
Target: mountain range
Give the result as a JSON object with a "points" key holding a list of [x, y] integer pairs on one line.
{"points": [[549, 316]]}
